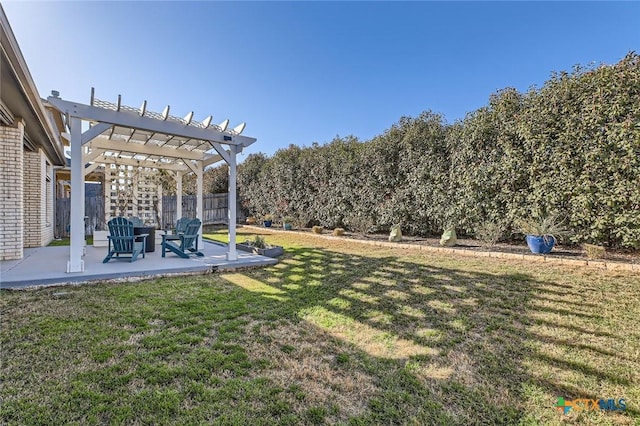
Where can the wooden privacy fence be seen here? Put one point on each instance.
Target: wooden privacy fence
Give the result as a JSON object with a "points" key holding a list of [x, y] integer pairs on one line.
{"points": [[93, 209], [214, 209]]}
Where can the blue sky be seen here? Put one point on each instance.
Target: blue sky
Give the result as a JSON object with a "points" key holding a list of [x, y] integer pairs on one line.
{"points": [[303, 72]]}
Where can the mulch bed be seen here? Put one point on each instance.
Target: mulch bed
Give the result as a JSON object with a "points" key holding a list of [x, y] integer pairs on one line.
{"points": [[559, 251]]}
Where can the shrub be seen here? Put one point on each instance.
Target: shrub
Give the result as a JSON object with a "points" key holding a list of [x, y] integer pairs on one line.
{"points": [[302, 220], [360, 223], [257, 242], [317, 229], [594, 251], [489, 233], [338, 232]]}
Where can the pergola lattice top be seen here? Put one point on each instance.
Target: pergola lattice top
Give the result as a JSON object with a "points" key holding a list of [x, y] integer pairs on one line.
{"points": [[149, 139], [187, 121]]}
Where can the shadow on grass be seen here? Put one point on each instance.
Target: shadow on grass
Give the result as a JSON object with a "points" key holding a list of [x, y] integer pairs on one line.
{"points": [[464, 336], [322, 336], [460, 335]]}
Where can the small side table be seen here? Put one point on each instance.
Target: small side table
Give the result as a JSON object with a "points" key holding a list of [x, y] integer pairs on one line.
{"points": [[150, 231]]}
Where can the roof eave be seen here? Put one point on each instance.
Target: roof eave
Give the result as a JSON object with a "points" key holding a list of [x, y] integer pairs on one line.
{"points": [[53, 143]]}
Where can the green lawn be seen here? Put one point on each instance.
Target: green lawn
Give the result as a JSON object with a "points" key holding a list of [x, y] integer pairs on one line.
{"points": [[66, 241], [337, 332]]}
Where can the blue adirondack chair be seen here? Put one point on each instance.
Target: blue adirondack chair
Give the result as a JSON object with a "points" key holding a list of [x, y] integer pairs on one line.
{"points": [[122, 241], [181, 226], [188, 241], [136, 221]]}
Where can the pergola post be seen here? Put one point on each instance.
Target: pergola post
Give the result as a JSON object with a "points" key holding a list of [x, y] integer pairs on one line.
{"points": [[232, 254], [76, 248], [178, 195], [106, 191], [199, 206], [159, 208], [83, 197]]}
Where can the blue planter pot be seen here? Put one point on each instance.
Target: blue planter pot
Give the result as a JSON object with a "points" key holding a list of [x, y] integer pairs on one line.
{"points": [[267, 224], [286, 226], [539, 244]]}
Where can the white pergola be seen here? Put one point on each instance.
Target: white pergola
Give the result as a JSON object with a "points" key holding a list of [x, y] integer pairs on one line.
{"points": [[118, 134]]}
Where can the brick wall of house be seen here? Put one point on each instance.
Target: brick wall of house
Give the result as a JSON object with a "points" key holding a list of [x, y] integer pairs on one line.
{"points": [[38, 199], [11, 191]]}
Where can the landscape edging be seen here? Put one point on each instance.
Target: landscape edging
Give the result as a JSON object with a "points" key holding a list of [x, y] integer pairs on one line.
{"points": [[594, 264]]}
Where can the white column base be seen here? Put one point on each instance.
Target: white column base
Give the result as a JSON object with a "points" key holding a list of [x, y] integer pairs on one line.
{"points": [[232, 255], [75, 268]]}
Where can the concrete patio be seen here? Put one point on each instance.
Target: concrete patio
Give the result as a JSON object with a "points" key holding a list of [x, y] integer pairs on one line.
{"points": [[46, 266]]}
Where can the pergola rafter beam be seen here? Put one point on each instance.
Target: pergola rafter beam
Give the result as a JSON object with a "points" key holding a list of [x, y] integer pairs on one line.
{"points": [[167, 141], [95, 153], [221, 151], [203, 146], [190, 164], [145, 149], [139, 163], [91, 167], [151, 135], [131, 136], [95, 131], [212, 160]]}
